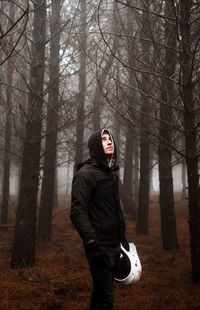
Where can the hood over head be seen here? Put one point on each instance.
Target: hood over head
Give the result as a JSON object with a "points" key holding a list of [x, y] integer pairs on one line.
{"points": [[96, 150]]}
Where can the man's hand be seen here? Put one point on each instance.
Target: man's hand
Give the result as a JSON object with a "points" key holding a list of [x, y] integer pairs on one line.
{"points": [[95, 254]]}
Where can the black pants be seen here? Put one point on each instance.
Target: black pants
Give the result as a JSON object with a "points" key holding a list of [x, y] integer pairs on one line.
{"points": [[102, 277]]}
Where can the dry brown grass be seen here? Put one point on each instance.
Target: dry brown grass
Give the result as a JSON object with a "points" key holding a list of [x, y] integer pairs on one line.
{"points": [[61, 280]]}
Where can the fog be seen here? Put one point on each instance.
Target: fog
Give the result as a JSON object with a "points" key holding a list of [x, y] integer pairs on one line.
{"points": [[65, 174]]}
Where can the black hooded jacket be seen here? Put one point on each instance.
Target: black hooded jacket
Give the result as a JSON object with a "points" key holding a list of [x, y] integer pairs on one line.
{"points": [[95, 209]]}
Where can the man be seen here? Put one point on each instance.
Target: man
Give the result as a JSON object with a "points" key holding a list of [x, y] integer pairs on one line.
{"points": [[97, 216]]}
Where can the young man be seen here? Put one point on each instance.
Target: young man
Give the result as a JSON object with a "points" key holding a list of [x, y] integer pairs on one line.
{"points": [[97, 216]]}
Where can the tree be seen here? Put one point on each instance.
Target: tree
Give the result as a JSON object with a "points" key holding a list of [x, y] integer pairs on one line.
{"points": [[7, 140], [82, 86], [142, 226], [15, 24], [130, 146], [23, 251], [49, 173], [183, 177], [105, 63], [189, 54], [168, 218]]}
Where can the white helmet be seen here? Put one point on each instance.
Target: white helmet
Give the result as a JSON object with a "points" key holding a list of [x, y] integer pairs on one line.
{"points": [[129, 267]]}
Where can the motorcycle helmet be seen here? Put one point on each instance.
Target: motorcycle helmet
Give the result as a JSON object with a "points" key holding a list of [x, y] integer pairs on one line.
{"points": [[128, 269]]}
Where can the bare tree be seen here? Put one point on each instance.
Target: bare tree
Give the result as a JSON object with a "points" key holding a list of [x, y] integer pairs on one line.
{"points": [[7, 141], [106, 62], [82, 86], [20, 22], [23, 251], [183, 177], [189, 53], [168, 219], [130, 180], [49, 173], [142, 226]]}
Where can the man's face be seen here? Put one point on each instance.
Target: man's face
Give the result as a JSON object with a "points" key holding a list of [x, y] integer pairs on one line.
{"points": [[107, 143]]}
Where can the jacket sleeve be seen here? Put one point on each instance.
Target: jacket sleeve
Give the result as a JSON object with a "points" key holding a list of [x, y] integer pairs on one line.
{"points": [[82, 186], [121, 216]]}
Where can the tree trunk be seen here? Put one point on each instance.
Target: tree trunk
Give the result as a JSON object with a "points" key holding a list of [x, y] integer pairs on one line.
{"points": [[128, 180], [117, 129], [128, 162], [56, 196], [6, 161], [136, 169], [142, 226], [187, 93], [7, 140], [82, 87], [23, 251], [102, 77], [183, 178], [129, 205], [168, 218], [49, 174]]}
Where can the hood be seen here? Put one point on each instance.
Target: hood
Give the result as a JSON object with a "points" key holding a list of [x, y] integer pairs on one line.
{"points": [[96, 149]]}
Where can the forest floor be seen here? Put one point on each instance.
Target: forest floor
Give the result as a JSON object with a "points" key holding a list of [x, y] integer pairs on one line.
{"points": [[60, 278]]}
